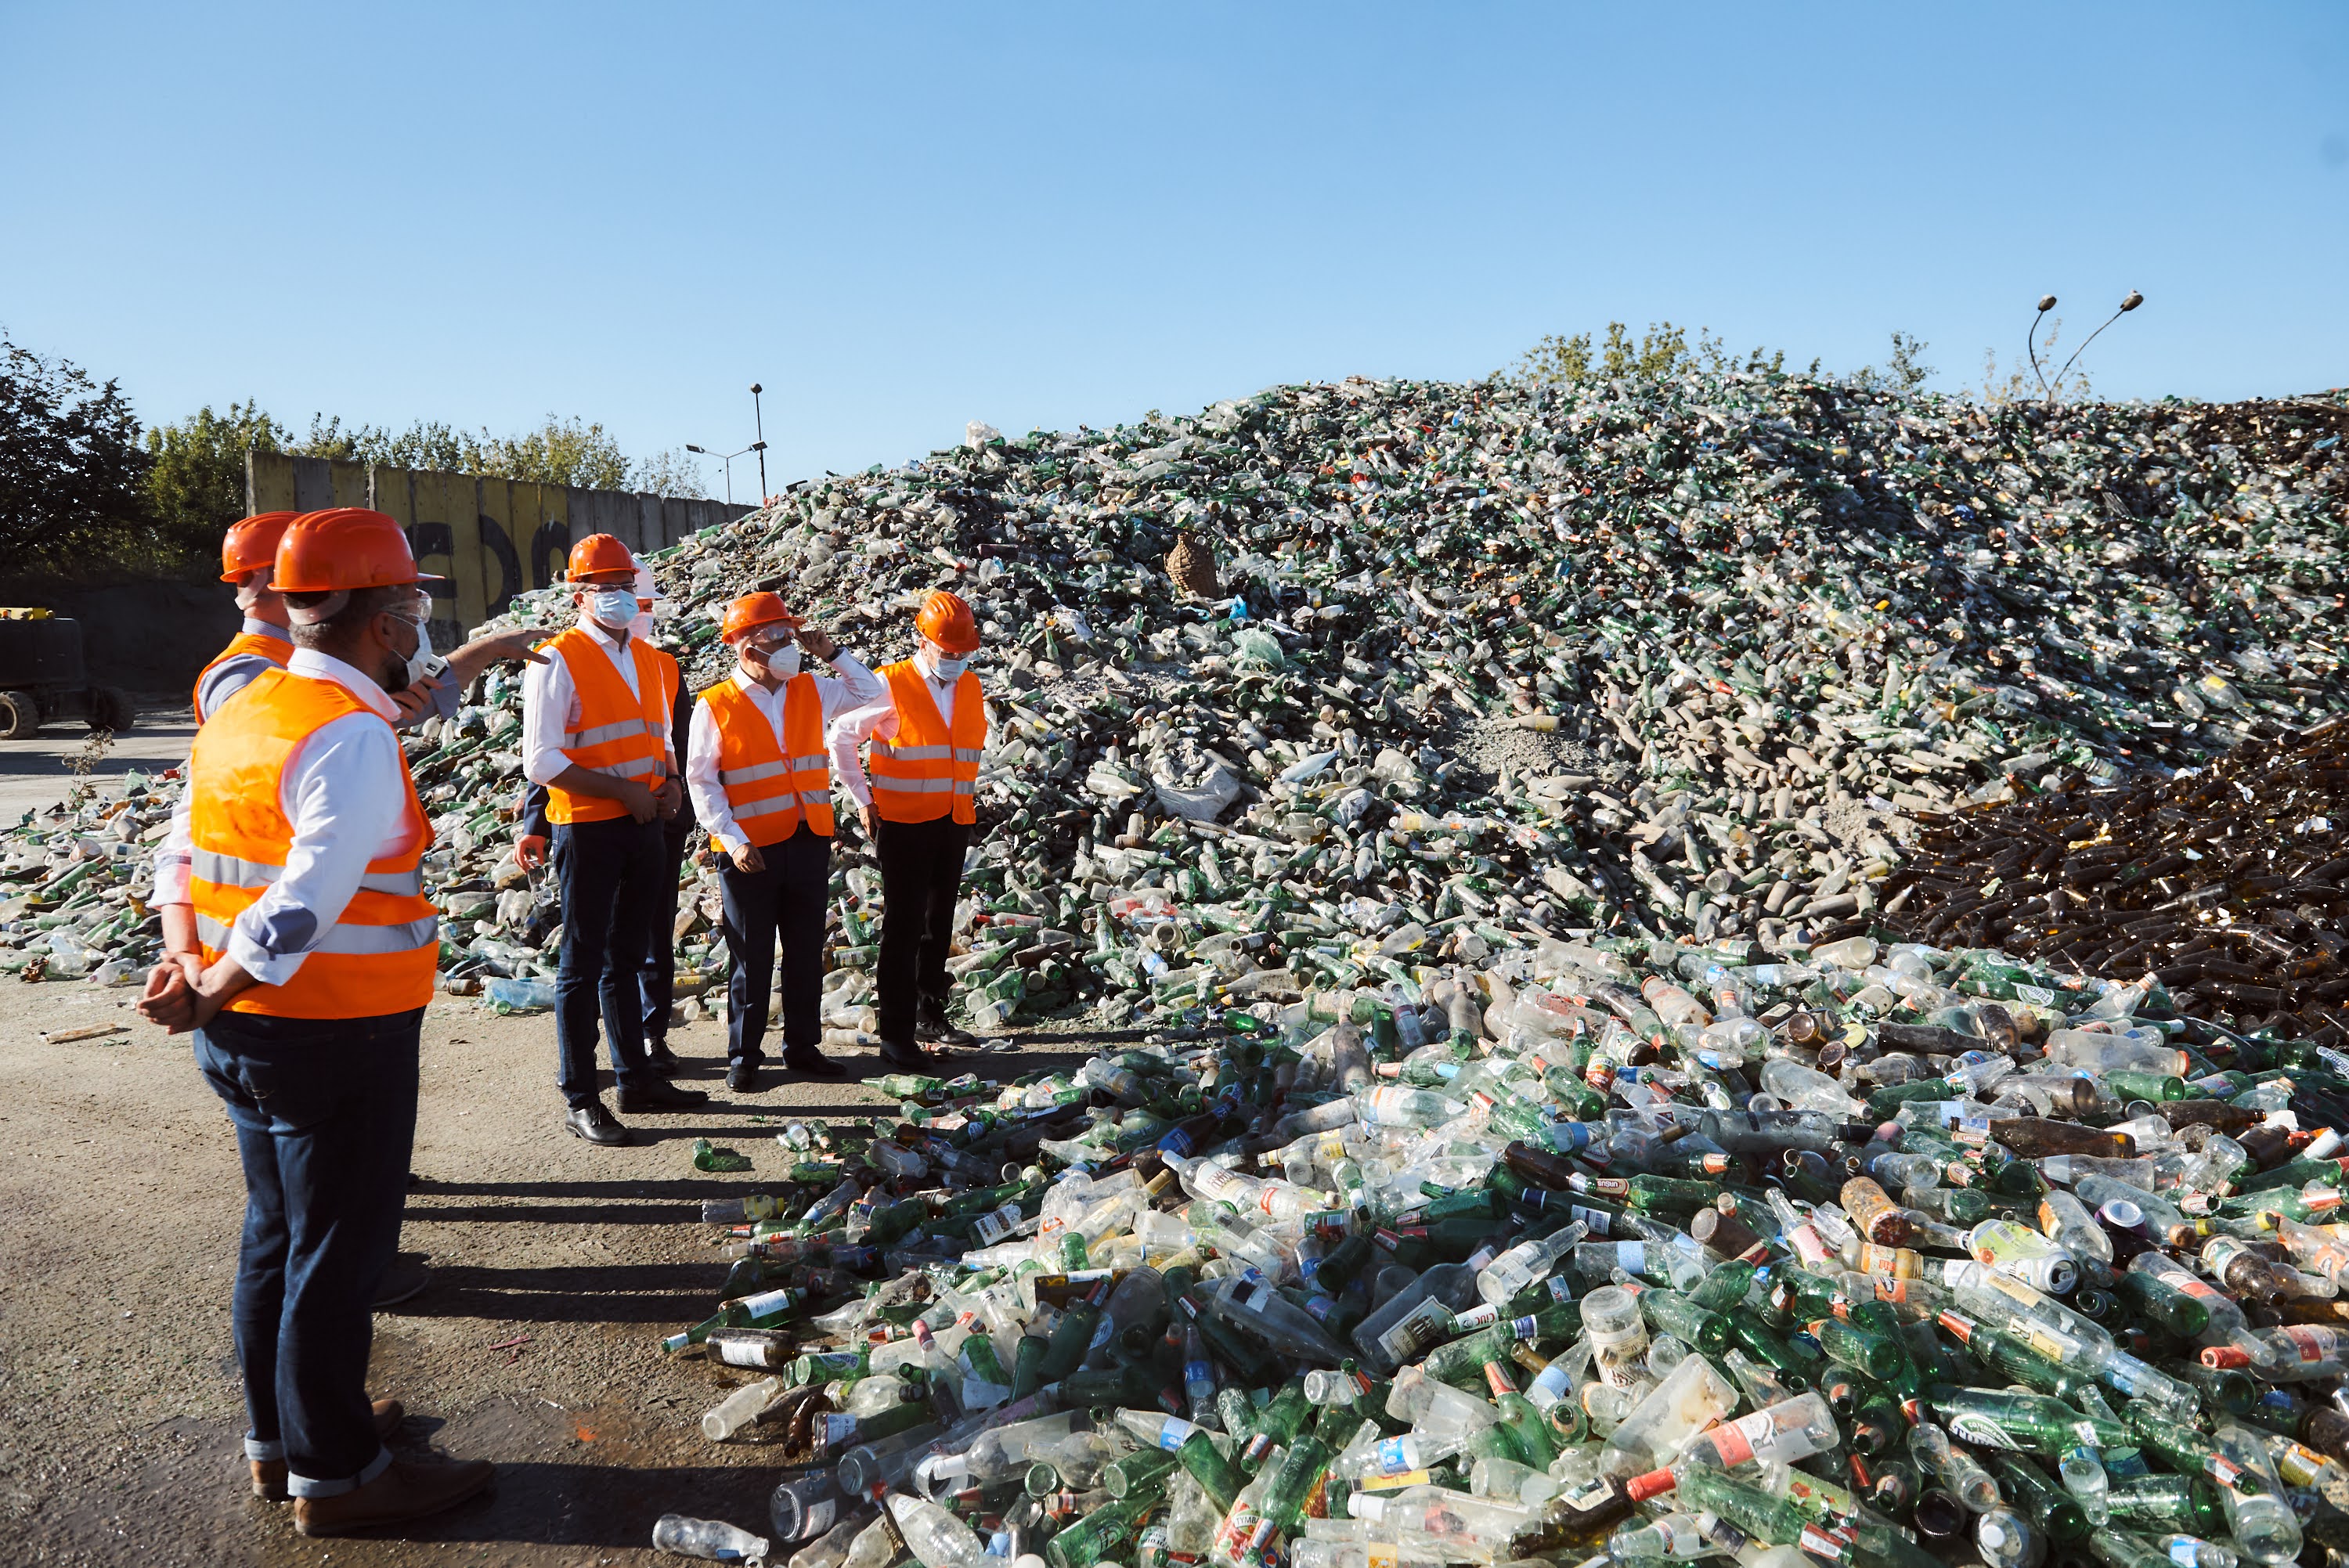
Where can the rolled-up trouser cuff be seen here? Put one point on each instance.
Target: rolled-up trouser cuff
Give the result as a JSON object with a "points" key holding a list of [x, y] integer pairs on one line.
{"points": [[259, 1452], [303, 1486]]}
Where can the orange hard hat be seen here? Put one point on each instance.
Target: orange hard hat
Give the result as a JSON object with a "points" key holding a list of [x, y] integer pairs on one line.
{"points": [[946, 620], [344, 547], [752, 611], [252, 544], [598, 553]]}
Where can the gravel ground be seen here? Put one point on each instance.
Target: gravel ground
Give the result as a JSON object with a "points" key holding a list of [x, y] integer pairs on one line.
{"points": [[120, 1185]]}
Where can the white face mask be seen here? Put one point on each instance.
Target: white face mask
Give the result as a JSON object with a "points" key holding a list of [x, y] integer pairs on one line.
{"points": [[781, 662], [944, 665], [612, 608], [423, 662]]}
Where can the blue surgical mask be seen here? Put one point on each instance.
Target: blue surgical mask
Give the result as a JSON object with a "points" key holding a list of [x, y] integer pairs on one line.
{"points": [[613, 608]]}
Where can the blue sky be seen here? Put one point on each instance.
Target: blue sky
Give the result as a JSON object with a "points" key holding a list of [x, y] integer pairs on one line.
{"points": [[901, 217]]}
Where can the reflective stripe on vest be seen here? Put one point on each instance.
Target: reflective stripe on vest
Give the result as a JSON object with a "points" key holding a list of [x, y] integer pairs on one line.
{"points": [[621, 733], [229, 872], [245, 644], [380, 954], [929, 768], [768, 792]]}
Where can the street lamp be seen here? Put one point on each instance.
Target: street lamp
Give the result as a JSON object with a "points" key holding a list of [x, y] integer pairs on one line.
{"points": [[759, 446], [728, 458]]}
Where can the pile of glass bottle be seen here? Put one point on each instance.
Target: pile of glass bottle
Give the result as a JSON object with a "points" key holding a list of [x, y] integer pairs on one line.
{"points": [[1605, 1252], [1686, 653]]}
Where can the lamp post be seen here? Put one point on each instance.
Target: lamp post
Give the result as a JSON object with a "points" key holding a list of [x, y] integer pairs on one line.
{"points": [[759, 422], [728, 458]]}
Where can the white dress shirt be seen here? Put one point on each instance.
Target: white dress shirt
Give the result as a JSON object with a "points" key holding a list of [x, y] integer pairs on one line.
{"points": [[855, 688], [231, 676], [879, 719], [345, 792], [550, 706]]}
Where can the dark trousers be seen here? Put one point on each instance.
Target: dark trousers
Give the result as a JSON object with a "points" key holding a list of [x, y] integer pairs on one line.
{"points": [[324, 1111], [785, 901], [921, 873], [657, 981], [611, 873]]}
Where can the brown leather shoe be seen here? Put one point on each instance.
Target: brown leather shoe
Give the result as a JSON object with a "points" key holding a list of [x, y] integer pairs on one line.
{"points": [[269, 1475], [405, 1490]]}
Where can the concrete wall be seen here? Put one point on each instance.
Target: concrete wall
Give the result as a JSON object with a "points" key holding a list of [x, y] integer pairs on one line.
{"points": [[491, 538], [143, 633]]}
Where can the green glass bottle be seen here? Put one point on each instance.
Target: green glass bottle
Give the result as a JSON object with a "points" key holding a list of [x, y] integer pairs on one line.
{"points": [[2031, 1423], [1670, 1194], [1523, 1424], [1766, 1518], [2150, 1502], [1141, 1474], [1723, 1288], [1216, 1475], [1028, 1366], [1669, 1312], [2034, 1493], [1277, 1424], [1099, 1534], [1871, 1355]]}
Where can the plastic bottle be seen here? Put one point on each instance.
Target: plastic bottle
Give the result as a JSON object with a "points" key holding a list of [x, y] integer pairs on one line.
{"points": [[710, 1539]]}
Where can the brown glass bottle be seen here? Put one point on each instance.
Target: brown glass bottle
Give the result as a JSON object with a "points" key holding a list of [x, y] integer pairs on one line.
{"points": [[1543, 1167], [2034, 1136]]}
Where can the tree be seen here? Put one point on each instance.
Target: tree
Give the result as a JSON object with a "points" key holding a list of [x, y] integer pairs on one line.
{"points": [[670, 473], [1904, 371], [72, 475], [195, 483]]}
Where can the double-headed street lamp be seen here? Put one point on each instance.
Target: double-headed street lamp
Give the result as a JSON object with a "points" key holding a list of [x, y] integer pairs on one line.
{"points": [[728, 458]]}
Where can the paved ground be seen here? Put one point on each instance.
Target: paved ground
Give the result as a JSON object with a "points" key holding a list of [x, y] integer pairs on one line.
{"points": [[36, 772], [122, 1201]]}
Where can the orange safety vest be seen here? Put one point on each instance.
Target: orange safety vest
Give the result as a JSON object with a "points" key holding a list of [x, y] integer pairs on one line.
{"points": [[769, 786], [620, 733], [925, 771], [277, 650], [379, 955]]}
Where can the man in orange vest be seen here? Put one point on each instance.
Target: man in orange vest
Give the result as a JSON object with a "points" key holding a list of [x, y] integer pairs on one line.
{"points": [[248, 553], [301, 948], [595, 732], [761, 785], [918, 807]]}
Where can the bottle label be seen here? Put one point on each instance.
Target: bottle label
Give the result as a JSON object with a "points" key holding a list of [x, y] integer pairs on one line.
{"points": [[768, 1303], [1483, 1315], [1600, 1221], [818, 1518], [1971, 1427], [1175, 1433], [997, 1224], [1394, 1456], [1733, 1443], [832, 1429], [1380, 1555], [1394, 1482], [1631, 1257], [741, 1352]]}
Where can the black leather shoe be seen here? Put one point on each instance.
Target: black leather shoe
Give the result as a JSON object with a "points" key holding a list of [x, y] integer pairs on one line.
{"points": [[597, 1125], [938, 1032], [660, 1096], [742, 1077], [661, 1059], [812, 1063], [906, 1057]]}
